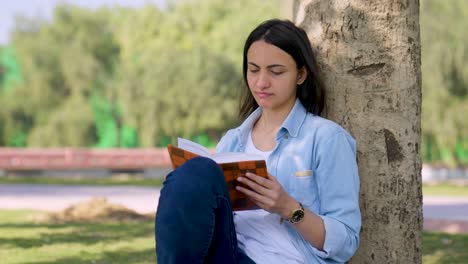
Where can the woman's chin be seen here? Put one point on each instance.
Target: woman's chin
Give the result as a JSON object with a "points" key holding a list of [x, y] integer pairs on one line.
{"points": [[263, 103]]}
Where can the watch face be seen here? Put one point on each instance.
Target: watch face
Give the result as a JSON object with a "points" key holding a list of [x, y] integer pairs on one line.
{"points": [[297, 216]]}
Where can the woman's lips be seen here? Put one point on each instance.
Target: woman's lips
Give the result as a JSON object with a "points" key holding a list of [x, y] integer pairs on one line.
{"points": [[263, 94]]}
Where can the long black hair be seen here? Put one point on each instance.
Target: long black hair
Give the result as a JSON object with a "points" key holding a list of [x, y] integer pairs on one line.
{"points": [[294, 41]]}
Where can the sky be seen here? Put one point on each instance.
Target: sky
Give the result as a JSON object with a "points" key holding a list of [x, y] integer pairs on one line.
{"points": [[44, 8]]}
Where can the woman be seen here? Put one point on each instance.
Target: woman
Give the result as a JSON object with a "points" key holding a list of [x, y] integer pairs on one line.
{"points": [[310, 210]]}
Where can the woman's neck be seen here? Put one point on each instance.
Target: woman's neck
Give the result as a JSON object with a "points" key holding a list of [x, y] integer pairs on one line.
{"points": [[272, 119]]}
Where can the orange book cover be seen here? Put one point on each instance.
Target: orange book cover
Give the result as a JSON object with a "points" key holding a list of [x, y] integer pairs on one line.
{"points": [[231, 169]]}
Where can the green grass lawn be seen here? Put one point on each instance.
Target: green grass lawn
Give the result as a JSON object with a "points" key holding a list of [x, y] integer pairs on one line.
{"points": [[129, 180], [445, 189], [23, 241], [440, 248]]}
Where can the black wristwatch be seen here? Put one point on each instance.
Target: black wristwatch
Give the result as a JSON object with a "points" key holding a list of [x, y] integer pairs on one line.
{"points": [[296, 216]]}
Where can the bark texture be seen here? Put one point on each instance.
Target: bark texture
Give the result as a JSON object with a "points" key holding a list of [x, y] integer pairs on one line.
{"points": [[369, 53]]}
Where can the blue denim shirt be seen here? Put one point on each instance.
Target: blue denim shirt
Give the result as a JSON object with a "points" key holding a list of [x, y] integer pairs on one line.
{"points": [[315, 162]]}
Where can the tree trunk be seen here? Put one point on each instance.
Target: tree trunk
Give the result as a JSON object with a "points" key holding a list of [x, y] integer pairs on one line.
{"points": [[369, 53]]}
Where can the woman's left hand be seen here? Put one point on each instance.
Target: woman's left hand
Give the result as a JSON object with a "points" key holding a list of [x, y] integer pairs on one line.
{"points": [[268, 194]]}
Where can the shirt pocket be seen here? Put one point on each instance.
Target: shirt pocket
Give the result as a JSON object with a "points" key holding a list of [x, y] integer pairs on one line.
{"points": [[304, 188]]}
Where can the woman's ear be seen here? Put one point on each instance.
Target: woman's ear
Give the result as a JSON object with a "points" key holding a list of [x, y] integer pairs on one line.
{"points": [[301, 75]]}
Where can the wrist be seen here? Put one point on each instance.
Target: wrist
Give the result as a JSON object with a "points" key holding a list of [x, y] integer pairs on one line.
{"points": [[289, 208], [296, 215]]}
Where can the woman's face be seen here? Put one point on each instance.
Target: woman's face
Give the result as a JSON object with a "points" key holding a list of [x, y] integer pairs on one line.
{"points": [[272, 76]]}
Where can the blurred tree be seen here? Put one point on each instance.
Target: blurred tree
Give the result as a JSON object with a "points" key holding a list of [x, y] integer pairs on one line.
{"points": [[10, 73], [179, 75], [445, 81], [63, 62], [174, 99], [109, 128], [71, 124], [167, 74]]}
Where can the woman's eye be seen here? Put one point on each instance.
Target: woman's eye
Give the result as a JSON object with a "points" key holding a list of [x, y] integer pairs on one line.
{"points": [[277, 73], [253, 70]]}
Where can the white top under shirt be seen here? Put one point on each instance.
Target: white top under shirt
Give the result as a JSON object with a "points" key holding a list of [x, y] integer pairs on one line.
{"points": [[260, 234]]}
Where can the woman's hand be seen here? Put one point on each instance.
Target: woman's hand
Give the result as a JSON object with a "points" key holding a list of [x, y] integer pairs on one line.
{"points": [[268, 194]]}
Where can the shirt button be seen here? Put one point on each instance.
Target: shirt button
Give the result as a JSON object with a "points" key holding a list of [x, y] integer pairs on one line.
{"points": [[286, 136]]}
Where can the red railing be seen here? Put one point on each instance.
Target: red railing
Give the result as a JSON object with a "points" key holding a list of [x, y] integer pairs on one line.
{"points": [[15, 159]]}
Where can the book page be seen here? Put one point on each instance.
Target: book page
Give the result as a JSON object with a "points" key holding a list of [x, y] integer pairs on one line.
{"points": [[227, 157], [193, 147]]}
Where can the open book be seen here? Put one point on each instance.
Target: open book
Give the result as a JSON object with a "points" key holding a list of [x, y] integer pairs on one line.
{"points": [[233, 164]]}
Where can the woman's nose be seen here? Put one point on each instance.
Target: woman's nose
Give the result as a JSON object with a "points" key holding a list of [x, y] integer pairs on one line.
{"points": [[263, 80]]}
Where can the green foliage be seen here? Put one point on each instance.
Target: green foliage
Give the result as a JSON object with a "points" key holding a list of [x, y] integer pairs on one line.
{"points": [[180, 74], [160, 74], [62, 62], [163, 74], [174, 99], [109, 129], [10, 73], [445, 81]]}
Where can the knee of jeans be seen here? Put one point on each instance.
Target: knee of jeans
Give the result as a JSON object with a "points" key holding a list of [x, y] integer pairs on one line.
{"points": [[198, 174], [206, 170]]}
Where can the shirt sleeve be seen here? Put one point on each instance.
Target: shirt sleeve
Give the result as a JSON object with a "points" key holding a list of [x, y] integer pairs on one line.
{"points": [[338, 189]]}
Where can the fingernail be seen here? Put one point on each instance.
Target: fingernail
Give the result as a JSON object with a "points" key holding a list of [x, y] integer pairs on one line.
{"points": [[239, 179]]}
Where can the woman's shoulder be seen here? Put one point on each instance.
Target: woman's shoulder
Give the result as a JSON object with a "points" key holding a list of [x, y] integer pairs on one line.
{"points": [[226, 141], [230, 134], [324, 128], [327, 136]]}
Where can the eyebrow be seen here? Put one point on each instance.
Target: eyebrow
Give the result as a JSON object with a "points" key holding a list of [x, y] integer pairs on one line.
{"points": [[269, 66]]}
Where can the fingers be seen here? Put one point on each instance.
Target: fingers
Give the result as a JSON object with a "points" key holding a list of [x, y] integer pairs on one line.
{"points": [[267, 193], [257, 198], [264, 182], [260, 185]]}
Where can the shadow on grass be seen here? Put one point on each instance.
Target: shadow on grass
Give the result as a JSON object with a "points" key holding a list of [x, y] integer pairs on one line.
{"points": [[86, 233], [445, 248], [121, 256]]}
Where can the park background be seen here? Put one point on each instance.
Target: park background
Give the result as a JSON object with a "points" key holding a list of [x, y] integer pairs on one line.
{"points": [[131, 77], [98, 77]]}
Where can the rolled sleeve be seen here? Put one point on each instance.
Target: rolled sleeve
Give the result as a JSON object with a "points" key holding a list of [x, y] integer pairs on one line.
{"points": [[338, 188]]}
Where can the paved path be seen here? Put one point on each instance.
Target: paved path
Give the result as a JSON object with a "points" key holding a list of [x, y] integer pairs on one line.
{"points": [[447, 208], [58, 197], [449, 214]]}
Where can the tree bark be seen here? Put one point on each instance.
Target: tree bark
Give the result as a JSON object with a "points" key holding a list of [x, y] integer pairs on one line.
{"points": [[369, 54]]}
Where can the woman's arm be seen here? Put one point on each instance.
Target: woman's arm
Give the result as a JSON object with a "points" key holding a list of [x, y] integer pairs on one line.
{"points": [[334, 230], [270, 196]]}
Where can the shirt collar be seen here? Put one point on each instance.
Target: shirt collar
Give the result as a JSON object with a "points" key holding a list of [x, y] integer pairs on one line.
{"points": [[295, 118], [291, 124]]}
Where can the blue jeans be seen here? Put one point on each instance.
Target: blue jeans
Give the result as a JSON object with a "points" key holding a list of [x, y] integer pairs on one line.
{"points": [[194, 222]]}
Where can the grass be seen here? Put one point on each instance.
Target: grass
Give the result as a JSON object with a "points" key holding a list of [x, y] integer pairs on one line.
{"points": [[440, 248], [445, 189], [128, 180], [24, 241]]}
